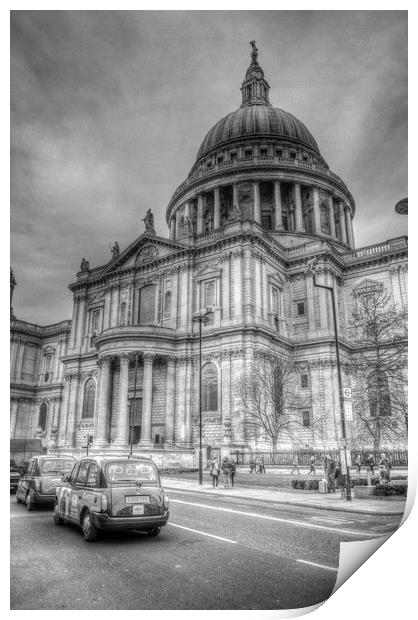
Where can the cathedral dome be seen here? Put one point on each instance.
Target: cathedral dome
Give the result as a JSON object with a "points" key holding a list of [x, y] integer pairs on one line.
{"points": [[255, 120]]}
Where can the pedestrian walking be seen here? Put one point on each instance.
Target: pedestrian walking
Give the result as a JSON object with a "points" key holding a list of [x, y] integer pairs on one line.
{"points": [[214, 471], [312, 466], [384, 466], [233, 471], [252, 464], [358, 463], [295, 464], [326, 459], [371, 463], [226, 472], [261, 466], [332, 466]]}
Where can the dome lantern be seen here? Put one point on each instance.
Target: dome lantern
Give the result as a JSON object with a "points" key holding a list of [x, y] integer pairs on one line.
{"points": [[255, 88]]}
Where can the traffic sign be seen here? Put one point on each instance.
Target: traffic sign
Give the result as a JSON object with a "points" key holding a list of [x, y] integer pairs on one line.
{"points": [[347, 392]]}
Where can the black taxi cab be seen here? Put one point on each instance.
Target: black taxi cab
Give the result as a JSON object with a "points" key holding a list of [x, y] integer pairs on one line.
{"points": [[112, 493], [39, 481]]}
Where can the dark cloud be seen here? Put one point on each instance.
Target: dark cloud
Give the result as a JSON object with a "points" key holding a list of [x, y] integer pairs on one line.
{"points": [[108, 109]]}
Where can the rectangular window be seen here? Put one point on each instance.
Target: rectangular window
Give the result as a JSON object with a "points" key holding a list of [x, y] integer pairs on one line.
{"points": [[263, 152], [82, 473], [95, 321], [220, 159], [274, 300], [303, 381], [301, 308], [266, 221], [248, 153], [147, 300], [209, 292], [233, 157], [306, 419], [292, 155], [279, 153]]}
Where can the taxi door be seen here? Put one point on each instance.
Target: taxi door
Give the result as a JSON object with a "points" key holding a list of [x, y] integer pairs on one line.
{"points": [[76, 492]]}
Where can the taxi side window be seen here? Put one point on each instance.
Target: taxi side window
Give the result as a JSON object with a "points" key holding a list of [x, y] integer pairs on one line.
{"points": [[82, 473], [74, 473], [31, 468], [93, 476]]}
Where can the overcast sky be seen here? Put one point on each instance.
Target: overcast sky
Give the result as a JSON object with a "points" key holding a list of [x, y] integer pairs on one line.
{"points": [[108, 110]]}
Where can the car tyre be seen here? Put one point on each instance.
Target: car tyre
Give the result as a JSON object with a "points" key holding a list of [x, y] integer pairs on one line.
{"points": [[154, 532], [57, 519], [29, 501], [89, 529]]}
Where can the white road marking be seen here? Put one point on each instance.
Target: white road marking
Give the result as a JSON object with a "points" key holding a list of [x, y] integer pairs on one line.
{"points": [[278, 519], [31, 514], [182, 527], [331, 520], [318, 565]]}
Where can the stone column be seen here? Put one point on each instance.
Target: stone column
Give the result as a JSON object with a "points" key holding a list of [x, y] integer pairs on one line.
{"points": [[19, 365], [74, 322], [103, 406], [169, 406], [200, 214], [298, 208], [115, 306], [107, 307], [348, 227], [64, 411], [122, 424], [13, 418], [256, 196], [342, 222], [13, 354], [278, 205], [71, 413], [173, 227], [54, 370], [188, 426], [146, 440], [331, 217], [50, 420], [316, 212], [310, 301], [216, 208], [81, 317]]}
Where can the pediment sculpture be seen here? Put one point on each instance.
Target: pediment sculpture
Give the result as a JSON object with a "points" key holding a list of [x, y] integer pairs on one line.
{"points": [[149, 252]]}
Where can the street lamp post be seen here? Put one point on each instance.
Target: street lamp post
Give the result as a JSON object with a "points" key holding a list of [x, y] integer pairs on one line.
{"points": [[340, 386], [200, 318]]}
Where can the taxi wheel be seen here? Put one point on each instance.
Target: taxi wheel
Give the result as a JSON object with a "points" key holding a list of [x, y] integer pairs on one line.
{"points": [[154, 532], [89, 529], [57, 519], [29, 501]]}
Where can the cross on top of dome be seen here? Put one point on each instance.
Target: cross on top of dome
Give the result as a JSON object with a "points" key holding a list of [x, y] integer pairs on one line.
{"points": [[255, 88]]}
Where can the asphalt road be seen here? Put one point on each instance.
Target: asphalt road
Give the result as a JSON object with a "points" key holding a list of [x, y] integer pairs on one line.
{"points": [[216, 553]]}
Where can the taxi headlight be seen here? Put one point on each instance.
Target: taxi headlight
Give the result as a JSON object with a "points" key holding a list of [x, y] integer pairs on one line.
{"points": [[37, 484], [104, 502], [165, 500]]}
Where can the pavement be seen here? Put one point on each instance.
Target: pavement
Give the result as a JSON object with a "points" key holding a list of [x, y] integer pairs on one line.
{"points": [[329, 501]]}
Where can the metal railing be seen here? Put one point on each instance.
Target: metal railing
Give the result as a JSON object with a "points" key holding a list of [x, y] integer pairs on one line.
{"points": [[399, 456]]}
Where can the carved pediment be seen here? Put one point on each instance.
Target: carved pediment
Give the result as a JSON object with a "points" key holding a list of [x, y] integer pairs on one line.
{"points": [[147, 253]]}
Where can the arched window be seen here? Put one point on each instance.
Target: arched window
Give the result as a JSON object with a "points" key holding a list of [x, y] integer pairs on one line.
{"points": [[209, 387], [324, 215], [43, 410], [147, 296], [89, 398], [378, 394]]}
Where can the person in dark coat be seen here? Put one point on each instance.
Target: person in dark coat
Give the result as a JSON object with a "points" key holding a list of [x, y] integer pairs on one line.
{"points": [[226, 472], [252, 464], [233, 471], [312, 466], [214, 471], [332, 466]]}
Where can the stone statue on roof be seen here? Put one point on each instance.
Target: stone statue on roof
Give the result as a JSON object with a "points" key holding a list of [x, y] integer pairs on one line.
{"points": [[149, 222], [115, 250], [85, 265]]}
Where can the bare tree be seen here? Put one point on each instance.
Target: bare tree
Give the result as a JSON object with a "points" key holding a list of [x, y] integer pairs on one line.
{"points": [[379, 331], [268, 397]]}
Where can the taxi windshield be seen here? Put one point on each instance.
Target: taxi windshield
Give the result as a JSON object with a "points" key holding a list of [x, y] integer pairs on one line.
{"points": [[57, 466], [137, 472]]}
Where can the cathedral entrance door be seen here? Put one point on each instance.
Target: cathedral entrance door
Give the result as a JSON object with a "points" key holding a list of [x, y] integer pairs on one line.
{"points": [[135, 420]]}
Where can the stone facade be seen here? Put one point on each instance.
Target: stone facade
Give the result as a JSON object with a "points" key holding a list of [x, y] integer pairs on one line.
{"points": [[255, 209]]}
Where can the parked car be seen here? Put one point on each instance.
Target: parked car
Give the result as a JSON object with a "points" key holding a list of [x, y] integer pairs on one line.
{"points": [[112, 493], [40, 479], [14, 478]]}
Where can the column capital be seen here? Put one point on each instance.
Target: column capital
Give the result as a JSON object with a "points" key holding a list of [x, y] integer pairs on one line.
{"points": [[124, 359], [104, 360], [148, 357]]}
